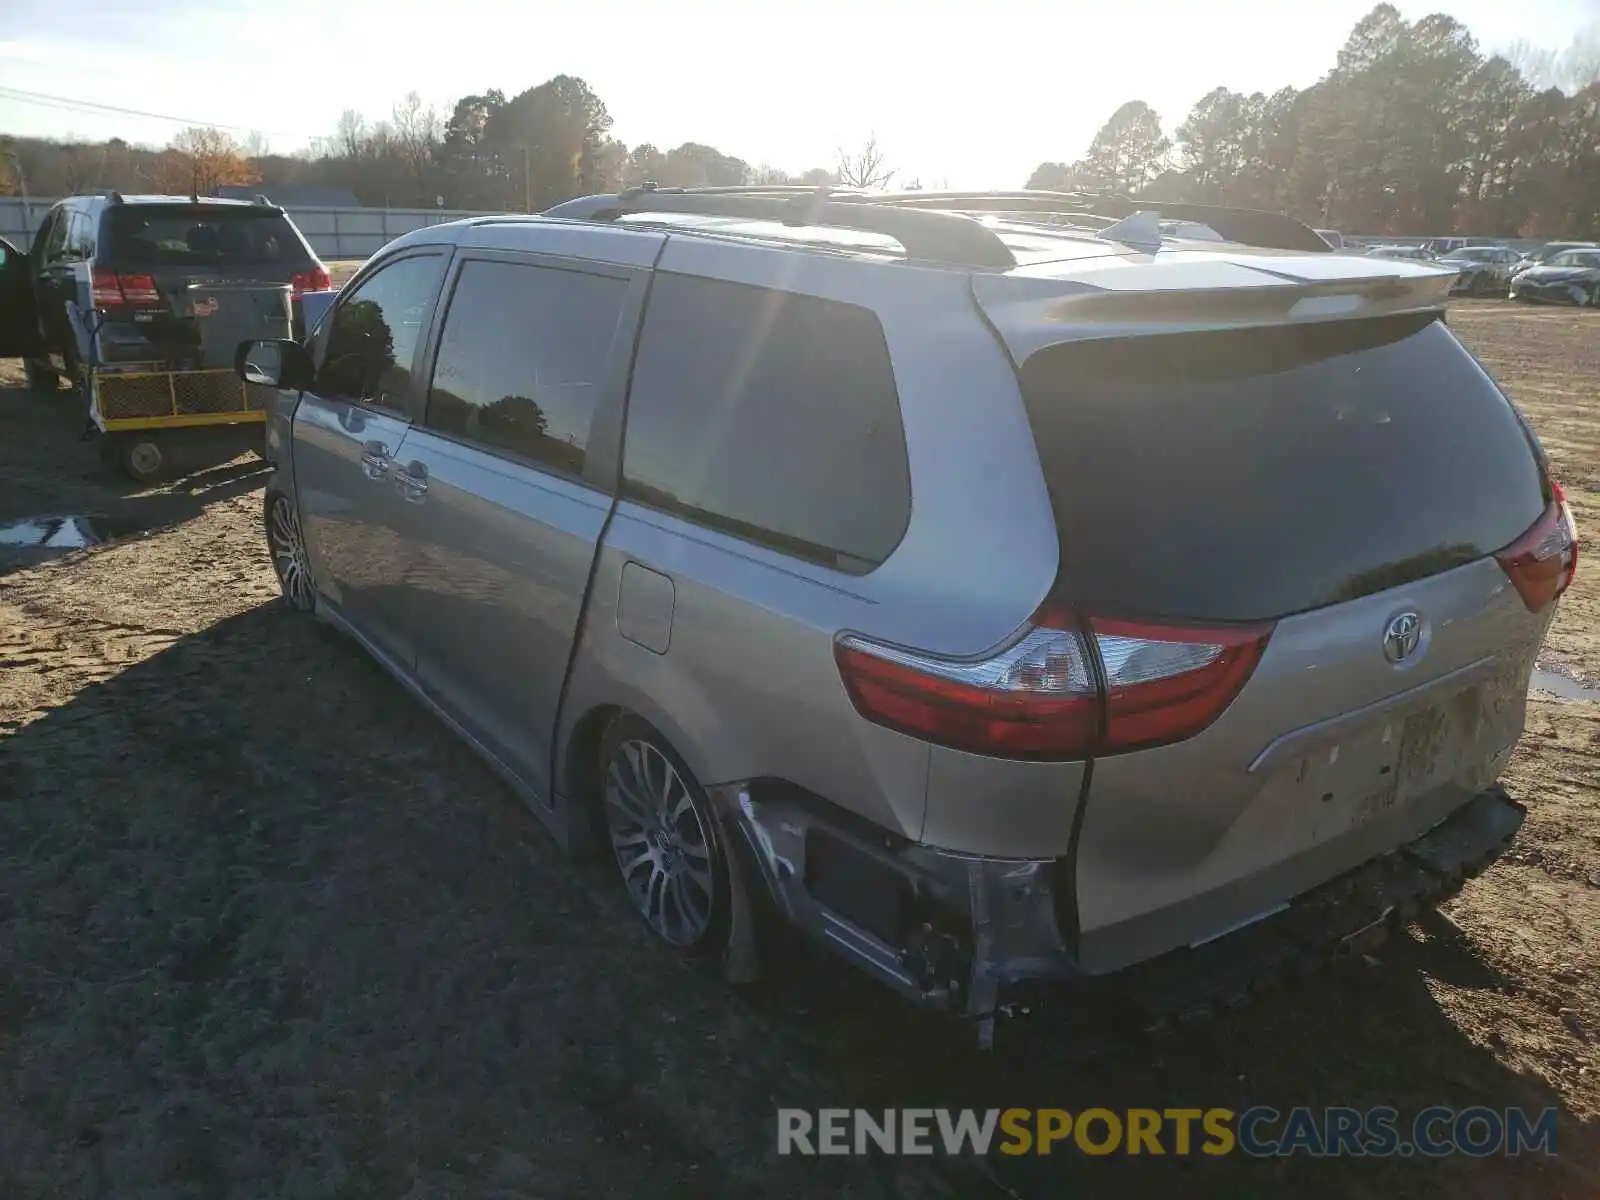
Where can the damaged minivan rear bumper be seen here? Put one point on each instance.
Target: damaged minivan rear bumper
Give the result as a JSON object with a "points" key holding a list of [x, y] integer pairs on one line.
{"points": [[956, 933]]}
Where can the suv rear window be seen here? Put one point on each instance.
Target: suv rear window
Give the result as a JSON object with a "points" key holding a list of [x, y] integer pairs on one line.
{"points": [[1253, 474], [771, 416], [185, 235]]}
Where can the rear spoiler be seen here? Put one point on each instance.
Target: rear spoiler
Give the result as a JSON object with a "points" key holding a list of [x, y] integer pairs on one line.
{"points": [[1031, 309], [1246, 226]]}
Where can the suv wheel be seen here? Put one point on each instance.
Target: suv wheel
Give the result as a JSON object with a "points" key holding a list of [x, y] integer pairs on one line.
{"points": [[664, 837], [288, 549], [41, 376]]}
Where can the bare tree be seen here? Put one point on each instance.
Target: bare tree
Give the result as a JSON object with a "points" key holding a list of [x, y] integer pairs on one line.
{"points": [[865, 168], [1536, 63], [1579, 65], [350, 135], [767, 174], [417, 131]]}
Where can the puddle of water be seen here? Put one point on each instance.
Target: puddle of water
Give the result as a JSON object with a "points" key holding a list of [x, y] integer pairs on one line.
{"points": [[63, 533], [1559, 685]]}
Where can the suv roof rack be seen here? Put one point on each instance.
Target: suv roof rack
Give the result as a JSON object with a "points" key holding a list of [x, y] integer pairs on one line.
{"points": [[1243, 225], [945, 237]]}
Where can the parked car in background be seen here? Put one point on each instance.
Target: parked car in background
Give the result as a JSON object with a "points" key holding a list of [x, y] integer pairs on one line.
{"points": [[1545, 253], [1483, 270], [1571, 277], [137, 301], [1416, 253], [624, 493]]}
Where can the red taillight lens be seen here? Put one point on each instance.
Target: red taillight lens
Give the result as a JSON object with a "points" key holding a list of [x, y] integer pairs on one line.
{"points": [[139, 290], [1166, 683], [1034, 700], [315, 280], [1541, 563], [112, 290], [1038, 699], [107, 291]]}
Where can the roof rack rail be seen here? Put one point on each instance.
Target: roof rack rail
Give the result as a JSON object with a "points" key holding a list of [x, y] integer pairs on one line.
{"points": [[943, 237], [261, 198], [1244, 225]]}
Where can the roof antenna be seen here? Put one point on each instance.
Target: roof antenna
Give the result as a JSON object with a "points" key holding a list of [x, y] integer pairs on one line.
{"points": [[1142, 231]]}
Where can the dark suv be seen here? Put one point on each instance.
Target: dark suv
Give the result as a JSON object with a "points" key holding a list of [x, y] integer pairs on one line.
{"points": [[129, 257]]}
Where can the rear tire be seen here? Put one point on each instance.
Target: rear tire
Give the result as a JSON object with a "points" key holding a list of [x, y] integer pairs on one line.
{"points": [[41, 377], [664, 837]]}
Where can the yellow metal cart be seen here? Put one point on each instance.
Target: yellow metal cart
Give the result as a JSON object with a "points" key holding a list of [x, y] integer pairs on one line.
{"points": [[134, 405], [141, 408]]}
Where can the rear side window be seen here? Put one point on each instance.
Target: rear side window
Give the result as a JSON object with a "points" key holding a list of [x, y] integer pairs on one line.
{"points": [[523, 359], [1258, 473], [771, 416], [185, 235]]}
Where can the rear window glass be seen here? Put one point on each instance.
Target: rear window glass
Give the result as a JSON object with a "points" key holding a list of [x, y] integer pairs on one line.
{"points": [[1254, 474], [771, 416], [184, 235]]}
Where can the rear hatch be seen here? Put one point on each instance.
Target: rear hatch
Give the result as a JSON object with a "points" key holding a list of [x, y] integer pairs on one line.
{"points": [[1314, 562], [152, 257]]}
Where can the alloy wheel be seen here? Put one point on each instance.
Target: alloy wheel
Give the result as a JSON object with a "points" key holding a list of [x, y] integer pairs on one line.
{"points": [[661, 843], [289, 553]]}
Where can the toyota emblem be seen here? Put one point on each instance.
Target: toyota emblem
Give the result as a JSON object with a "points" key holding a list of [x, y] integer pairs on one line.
{"points": [[1401, 637]]}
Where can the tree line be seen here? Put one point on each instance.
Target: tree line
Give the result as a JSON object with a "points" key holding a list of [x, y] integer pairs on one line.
{"points": [[523, 152], [1413, 131]]}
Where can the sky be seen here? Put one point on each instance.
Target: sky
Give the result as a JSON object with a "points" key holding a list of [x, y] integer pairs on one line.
{"points": [[959, 95]]}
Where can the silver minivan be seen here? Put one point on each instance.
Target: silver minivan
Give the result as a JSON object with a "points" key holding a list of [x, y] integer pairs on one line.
{"points": [[989, 585]]}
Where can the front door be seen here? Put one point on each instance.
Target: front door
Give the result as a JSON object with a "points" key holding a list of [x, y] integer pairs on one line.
{"points": [[349, 432], [19, 318], [510, 477]]}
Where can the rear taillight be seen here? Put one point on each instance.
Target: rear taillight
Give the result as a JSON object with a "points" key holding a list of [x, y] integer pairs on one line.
{"points": [[1165, 683], [1542, 562], [113, 291], [315, 280], [107, 291], [1038, 698]]}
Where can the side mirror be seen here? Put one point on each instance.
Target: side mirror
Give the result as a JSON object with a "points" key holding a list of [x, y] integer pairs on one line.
{"points": [[274, 362]]}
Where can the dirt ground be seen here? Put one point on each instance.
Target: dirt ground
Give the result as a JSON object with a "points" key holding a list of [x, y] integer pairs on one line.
{"points": [[266, 929]]}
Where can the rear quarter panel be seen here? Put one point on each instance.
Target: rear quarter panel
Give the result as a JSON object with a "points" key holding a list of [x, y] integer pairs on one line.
{"points": [[748, 686]]}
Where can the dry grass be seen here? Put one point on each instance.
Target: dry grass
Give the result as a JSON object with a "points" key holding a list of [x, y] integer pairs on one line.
{"points": [[266, 929]]}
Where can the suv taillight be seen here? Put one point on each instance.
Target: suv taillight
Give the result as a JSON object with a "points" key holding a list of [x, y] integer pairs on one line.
{"points": [[315, 280], [1038, 698], [113, 291], [1541, 563], [1165, 683]]}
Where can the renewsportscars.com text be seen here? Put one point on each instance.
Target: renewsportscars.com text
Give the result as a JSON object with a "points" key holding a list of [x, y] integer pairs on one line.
{"points": [[1260, 1131]]}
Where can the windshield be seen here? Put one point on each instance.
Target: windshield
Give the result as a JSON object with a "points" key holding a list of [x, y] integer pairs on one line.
{"points": [[186, 235]]}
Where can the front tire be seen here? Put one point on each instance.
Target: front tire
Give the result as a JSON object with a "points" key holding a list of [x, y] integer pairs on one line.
{"points": [[288, 549], [664, 837]]}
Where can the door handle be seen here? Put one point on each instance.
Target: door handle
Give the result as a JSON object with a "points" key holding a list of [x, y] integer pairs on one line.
{"points": [[375, 460], [412, 480]]}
